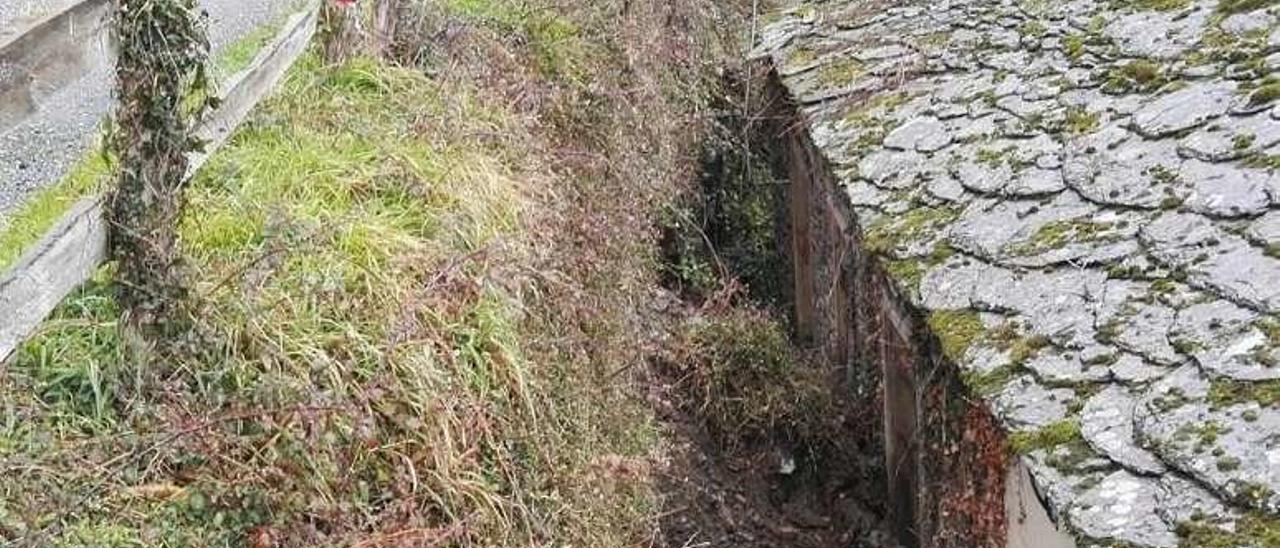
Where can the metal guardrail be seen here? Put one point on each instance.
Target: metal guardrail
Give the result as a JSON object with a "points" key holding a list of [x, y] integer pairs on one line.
{"points": [[68, 254]]}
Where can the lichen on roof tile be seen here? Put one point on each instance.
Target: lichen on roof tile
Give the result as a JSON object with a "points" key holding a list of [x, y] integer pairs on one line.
{"points": [[1084, 198]]}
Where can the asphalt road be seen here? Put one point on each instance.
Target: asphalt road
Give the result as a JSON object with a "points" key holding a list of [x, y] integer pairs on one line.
{"points": [[39, 152]]}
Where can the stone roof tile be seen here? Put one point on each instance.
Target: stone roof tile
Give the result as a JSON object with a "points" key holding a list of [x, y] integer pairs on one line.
{"points": [[1103, 179]]}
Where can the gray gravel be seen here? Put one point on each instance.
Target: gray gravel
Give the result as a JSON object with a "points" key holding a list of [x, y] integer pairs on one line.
{"points": [[41, 151], [17, 11]]}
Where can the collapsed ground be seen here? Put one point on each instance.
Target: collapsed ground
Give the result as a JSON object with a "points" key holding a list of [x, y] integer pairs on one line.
{"points": [[479, 298]]}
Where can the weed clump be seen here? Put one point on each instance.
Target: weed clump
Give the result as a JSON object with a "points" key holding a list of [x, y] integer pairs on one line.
{"points": [[1080, 121], [1252, 529], [1074, 46], [745, 379]]}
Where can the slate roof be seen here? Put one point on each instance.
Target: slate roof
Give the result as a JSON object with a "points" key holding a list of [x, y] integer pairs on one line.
{"points": [[1085, 198]]}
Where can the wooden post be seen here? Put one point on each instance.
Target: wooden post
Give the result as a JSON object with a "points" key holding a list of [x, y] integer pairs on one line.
{"points": [[341, 36], [799, 196], [160, 62], [384, 26]]}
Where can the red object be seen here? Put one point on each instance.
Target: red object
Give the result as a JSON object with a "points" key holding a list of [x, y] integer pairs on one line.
{"points": [[345, 3]]}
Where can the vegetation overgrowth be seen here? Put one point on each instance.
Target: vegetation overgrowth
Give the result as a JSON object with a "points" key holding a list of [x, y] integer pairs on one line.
{"points": [[430, 295]]}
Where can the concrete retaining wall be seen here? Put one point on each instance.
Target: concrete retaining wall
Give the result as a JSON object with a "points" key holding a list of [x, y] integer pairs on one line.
{"points": [[69, 253]]}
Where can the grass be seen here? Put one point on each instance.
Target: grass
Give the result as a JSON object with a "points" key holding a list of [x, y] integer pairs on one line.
{"points": [[323, 228], [1266, 93], [239, 54], [1138, 75], [418, 315], [43, 210], [75, 358], [1074, 46], [560, 47]]}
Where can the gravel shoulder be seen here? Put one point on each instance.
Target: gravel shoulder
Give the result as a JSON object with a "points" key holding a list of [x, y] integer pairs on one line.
{"points": [[45, 148]]}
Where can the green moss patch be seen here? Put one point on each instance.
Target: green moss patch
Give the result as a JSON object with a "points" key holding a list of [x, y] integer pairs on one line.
{"points": [[1157, 5], [1226, 393], [1242, 6], [1056, 234], [957, 330], [1051, 436], [990, 382], [918, 223], [1253, 529], [1139, 75], [841, 72]]}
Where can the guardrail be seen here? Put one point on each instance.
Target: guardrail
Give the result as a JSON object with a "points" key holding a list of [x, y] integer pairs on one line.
{"points": [[71, 251]]}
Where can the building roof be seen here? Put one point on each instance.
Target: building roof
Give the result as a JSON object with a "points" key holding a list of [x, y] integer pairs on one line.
{"points": [[1084, 198]]}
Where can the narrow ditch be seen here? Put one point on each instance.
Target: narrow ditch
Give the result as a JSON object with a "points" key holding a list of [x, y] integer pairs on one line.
{"points": [[773, 444]]}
